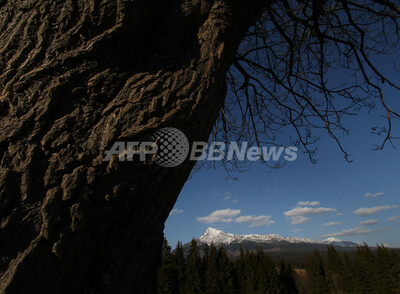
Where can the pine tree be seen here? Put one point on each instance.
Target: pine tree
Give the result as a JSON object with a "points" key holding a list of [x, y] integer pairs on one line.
{"points": [[348, 275], [227, 274], [240, 271], [249, 278], [365, 271], [167, 273], [194, 278], [316, 271], [387, 271], [212, 274], [179, 260], [395, 272], [334, 267], [206, 251], [268, 280], [287, 278]]}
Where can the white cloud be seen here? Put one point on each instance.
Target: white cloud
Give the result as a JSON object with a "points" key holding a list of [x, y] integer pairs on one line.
{"points": [[255, 221], [373, 195], [393, 218], [227, 196], [352, 231], [310, 203], [297, 220], [364, 211], [301, 211], [369, 222], [235, 201], [296, 230], [175, 211], [339, 213], [223, 215], [332, 224]]}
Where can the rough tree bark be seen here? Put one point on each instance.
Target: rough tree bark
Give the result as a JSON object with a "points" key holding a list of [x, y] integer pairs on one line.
{"points": [[75, 76]]}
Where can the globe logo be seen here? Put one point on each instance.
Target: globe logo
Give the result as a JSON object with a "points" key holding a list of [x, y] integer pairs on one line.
{"points": [[173, 147]]}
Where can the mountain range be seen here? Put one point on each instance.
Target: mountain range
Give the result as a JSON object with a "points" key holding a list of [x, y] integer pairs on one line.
{"points": [[274, 244]]}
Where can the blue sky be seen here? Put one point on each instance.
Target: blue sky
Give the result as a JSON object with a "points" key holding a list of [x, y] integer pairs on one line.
{"points": [[358, 201]]}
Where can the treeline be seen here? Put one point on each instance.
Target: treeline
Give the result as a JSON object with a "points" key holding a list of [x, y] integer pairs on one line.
{"points": [[212, 272], [364, 271]]}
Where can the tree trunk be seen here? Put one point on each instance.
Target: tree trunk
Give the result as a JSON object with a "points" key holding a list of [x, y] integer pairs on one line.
{"points": [[76, 76]]}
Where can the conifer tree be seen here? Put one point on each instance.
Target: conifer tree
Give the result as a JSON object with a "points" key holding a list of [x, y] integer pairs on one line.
{"points": [[206, 251], [249, 278], [167, 273], [179, 260], [334, 268], [194, 279], [212, 274], [387, 274], [316, 271], [269, 282], [348, 274], [227, 274], [287, 278], [395, 273], [240, 271], [364, 269]]}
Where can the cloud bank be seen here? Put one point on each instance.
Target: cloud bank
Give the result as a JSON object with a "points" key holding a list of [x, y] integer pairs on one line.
{"points": [[364, 211], [371, 195], [352, 231], [232, 215], [332, 224], [310, 203], [393, 218], [302, 211], [223, 216], [369, 222], [297, 220]]}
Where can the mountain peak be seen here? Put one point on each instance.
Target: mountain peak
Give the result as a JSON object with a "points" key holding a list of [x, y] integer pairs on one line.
{"points": [[216, 236], [212, 231], [332, 239], [338, 242]]}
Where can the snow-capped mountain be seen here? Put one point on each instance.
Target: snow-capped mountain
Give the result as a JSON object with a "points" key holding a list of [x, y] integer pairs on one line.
{"points": [[274, 244], [338, 242], [218, 237]]}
